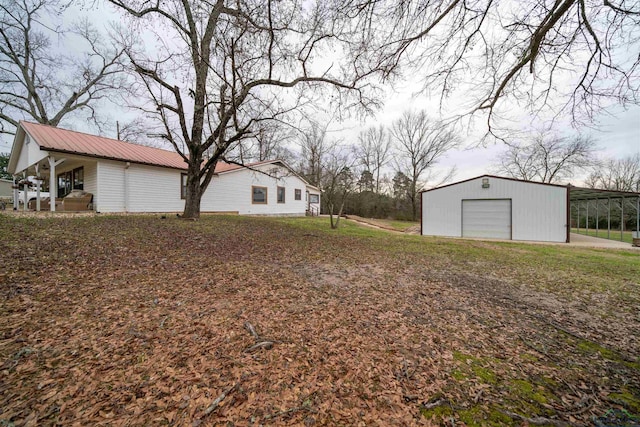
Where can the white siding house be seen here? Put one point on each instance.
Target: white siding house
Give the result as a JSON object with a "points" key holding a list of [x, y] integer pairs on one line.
{"points": [[233, 191], [124, 177], [496, 207]]}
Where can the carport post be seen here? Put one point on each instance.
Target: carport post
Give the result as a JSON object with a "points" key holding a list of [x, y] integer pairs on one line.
{"points": [[586, 228], [608, 217], [622, 219], [637, 219], [597, 216]]}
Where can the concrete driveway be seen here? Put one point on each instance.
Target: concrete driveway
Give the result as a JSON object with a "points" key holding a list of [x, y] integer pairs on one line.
{"points": [[596, 242]]}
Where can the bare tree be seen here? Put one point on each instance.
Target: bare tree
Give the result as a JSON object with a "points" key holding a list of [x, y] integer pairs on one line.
{"points": [[564, 56], [227, 66], [43, 83], [547, 158], [372, 152], [137, 130], [338, 182], [270, 139], [314, 147], [421, 143], [267, 141], [617, 174]]}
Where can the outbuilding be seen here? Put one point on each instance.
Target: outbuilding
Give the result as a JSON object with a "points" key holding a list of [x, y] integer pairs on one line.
{"points": [[497, 208]]}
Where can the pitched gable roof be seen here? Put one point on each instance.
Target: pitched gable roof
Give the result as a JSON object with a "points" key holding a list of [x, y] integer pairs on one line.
{"points": [[493, 176], [66, 141], [72, 142]]}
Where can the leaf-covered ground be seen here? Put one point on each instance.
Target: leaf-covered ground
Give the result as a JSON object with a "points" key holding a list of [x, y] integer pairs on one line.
{"points": [[138, 320]]}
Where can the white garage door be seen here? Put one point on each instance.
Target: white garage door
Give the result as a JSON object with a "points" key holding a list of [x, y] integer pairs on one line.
{"points": [[486, 218]]}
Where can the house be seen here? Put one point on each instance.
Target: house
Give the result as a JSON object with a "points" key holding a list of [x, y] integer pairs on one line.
{"points": [[126, 177]]}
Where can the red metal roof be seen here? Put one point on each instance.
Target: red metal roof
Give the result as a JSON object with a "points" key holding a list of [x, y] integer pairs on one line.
{"points": [[66, 141]]}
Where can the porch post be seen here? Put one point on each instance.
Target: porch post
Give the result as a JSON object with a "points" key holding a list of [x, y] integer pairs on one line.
{"points": [[38, 194], [53, 185], [38, 183], [25, 192], [15, 193]]}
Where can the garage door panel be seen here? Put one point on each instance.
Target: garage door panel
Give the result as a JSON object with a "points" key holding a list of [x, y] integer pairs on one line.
{"points": [[486, 218]]}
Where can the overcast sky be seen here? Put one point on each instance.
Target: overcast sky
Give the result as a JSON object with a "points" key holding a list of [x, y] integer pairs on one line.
{"points": [[618, 133]]}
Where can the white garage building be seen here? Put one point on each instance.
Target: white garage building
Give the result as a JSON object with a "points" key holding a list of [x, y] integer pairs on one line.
{"points": [[497, 208]]}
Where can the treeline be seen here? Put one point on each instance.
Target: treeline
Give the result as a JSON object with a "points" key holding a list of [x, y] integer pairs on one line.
{"points": [[379, 175]]}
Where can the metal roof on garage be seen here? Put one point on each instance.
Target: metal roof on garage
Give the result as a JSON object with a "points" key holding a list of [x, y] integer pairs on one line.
{"points": [[583, 193]]}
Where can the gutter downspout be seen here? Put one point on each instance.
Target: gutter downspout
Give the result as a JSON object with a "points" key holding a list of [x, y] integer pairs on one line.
{"points": [[126, 186]]}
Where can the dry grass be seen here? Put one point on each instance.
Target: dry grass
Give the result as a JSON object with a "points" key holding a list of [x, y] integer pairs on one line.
{"points": [[142, 321]]}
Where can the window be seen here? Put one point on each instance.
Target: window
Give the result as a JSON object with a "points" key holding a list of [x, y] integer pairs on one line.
{"points": [[314, 198], [78, 179], [298, 194], [70, 180], [183, 185], [281, 192], [259, 195]]}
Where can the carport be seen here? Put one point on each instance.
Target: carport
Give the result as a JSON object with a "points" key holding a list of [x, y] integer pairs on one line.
{"points": [[600, 209]]}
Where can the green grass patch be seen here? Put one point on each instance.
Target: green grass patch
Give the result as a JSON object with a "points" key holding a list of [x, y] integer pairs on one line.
{"points": [[627, 399], [590, 348], [397, 224], [557, 269], [473, 368]]}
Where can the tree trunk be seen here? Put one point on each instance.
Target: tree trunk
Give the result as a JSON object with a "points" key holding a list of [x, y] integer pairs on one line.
{"points": [[334, 225], [340, 211], [414, 207], [193, 194], [330, 206]]}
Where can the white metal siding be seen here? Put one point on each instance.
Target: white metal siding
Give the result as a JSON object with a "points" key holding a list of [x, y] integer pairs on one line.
{"points": [[486, 219], [30, 154], [153, 189], [142, 188], [231, 192], [110, 193], [539, 212], [91, 179]]}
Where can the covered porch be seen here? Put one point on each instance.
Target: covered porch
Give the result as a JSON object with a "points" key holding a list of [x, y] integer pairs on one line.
{"points": [[56, 182]]}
